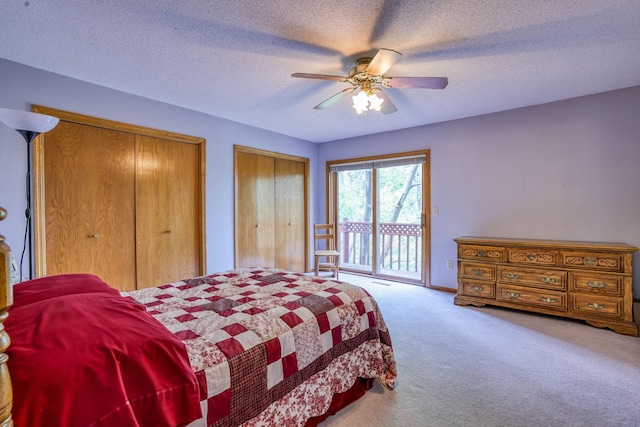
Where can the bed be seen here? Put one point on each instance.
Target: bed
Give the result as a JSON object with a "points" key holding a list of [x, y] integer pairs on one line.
{"points": [[253, 347]]}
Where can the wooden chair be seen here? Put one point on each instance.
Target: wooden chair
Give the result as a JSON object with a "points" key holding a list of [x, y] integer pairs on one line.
{"points": [[331, 258]]}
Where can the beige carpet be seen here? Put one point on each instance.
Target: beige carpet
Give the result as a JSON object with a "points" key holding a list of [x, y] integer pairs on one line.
{"points": [[469, 366]]}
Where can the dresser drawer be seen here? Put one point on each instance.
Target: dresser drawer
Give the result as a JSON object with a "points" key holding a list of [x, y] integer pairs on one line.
{"points": [[476, 270], [484, 253], [477, 288], [593, 260], [606, 284], [533, 277], [532, 256], [532, 297], [597, 305]]}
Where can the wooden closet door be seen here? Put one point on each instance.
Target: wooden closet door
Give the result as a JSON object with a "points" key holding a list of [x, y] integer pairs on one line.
{"points": [[167, 211], [89, 203], [255, 226], [290, 214]]}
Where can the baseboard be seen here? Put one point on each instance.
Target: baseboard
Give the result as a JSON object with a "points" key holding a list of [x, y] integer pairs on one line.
{"points": [[443, 288]]}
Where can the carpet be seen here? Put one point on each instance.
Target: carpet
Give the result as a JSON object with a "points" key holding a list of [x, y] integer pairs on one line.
{"points": [[483, 366]]}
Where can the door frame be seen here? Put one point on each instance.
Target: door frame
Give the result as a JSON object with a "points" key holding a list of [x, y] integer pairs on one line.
{"points": [[332, 205]]}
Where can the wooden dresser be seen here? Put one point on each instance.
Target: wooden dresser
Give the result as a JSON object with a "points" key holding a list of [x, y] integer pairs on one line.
{"points": [[590, 281]]}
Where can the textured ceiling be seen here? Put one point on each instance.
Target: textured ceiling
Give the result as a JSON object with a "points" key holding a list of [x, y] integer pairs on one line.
{"points": [[234, 58]]}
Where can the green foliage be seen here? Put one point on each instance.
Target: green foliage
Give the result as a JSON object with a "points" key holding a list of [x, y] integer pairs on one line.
{"points": [[393, 182], [352, 191], [353, 198]]}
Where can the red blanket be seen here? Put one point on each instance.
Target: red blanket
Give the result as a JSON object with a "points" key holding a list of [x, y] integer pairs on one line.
{"points": [[81, 355]]}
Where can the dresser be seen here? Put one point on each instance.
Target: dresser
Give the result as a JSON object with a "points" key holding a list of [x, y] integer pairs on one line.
{"points": [[590, 281]]}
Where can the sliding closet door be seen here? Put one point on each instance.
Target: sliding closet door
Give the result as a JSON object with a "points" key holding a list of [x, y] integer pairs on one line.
{"points": [[255, 210], [290, 223], [271, 210], [120, 201], [167, 213], [89, 205]]}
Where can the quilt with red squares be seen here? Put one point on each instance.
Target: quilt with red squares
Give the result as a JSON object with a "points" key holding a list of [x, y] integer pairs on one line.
{"points": [[271, 347]]}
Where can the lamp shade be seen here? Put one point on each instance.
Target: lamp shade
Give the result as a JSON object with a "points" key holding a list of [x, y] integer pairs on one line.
{"points": [[28, 121]]}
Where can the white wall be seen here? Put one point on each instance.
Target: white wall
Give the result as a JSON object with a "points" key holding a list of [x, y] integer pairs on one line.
{"points": [[22, 86], [567, 170]]}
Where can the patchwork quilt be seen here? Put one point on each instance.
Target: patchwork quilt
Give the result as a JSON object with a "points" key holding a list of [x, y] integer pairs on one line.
{"points": [[271, 347]]}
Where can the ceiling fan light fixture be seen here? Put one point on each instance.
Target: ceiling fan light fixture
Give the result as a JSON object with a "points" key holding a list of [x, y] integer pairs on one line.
{"points": [[375, 103], [367, 100], [360, 102]]}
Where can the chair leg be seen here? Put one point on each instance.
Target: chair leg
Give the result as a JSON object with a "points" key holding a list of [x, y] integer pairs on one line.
{"points": [[317, 267]]}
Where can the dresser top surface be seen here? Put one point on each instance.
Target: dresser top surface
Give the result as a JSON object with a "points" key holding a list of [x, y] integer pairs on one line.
{"points": [[565, 244]]}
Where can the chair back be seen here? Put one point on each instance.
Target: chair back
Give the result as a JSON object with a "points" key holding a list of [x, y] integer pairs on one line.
{"points": [[324, 233]]}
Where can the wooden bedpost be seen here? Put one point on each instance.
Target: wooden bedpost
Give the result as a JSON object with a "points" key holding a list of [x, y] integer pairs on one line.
{"points": [[6, 299]]}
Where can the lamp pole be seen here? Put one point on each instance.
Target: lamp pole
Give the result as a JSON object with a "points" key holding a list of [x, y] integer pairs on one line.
{"points": [[29, 125], [28, 136]]}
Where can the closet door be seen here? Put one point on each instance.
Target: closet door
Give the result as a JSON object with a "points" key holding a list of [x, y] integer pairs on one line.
{"points": [[121, 201], [89, 203], [255, 210], [167, 211], [271, 210], [289, 180]]}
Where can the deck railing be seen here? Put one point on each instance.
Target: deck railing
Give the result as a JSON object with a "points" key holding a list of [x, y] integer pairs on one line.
{"points": [[400, 243]]}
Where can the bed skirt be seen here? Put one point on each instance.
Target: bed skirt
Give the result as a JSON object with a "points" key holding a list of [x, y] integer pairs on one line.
{"points": [[342, 400]]}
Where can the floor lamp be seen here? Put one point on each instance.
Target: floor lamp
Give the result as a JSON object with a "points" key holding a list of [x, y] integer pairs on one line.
{"points": [[29, 125]]}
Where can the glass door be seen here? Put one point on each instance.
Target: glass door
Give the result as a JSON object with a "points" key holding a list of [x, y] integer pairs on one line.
{"points": [[355, 219], [399, 228], [378, 207]]}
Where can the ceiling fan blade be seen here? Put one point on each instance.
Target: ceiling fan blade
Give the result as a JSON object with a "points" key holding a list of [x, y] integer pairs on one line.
{"points": [[335, 98], [384, 59], [388, 107], [417, 82], [319, 77]]}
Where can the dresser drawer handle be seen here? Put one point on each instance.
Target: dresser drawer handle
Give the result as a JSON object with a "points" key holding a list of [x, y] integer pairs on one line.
{"points": [[512, 294], [477, 289], [548, 300], [482, 253], [590, 261], [532, 257], [596, 284], [512, 275], [478, 272], [548, 280], [596, 306]]}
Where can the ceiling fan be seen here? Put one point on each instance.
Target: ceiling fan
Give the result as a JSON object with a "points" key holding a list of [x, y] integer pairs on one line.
{"points": [[368, 76]]}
